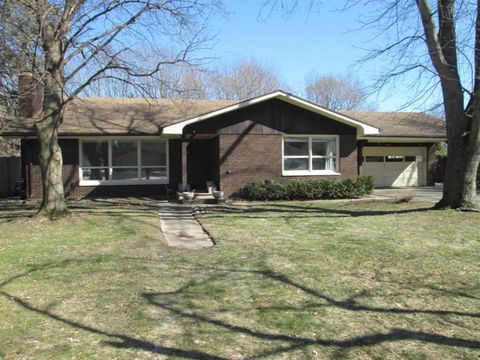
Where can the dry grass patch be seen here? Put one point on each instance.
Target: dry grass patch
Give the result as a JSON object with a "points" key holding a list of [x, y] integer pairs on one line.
{"points": [[293, 280]]}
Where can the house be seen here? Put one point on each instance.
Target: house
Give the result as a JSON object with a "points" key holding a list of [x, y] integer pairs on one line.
{"points": [[134, 147]]}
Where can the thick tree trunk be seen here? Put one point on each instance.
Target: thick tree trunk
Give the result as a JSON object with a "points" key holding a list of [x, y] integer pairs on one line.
{"points": [[459, 189], [463, 137], [51, 163], [463, 130], [50, 156]]}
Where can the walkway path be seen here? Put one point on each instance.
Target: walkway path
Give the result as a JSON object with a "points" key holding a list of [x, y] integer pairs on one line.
{"points": [[181, 229]]}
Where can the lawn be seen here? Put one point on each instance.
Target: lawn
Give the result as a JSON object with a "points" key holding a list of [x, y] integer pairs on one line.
{"points": [[300, 280]]}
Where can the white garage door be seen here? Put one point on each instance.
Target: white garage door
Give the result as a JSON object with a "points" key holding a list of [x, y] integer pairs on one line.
{"points": [[395, 166]]}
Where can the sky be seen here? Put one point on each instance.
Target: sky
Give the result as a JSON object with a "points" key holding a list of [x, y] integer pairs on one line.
{"points": [[325, 42]]}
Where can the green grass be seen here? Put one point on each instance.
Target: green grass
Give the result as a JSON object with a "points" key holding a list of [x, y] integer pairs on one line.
{"points": [[300, 280]]}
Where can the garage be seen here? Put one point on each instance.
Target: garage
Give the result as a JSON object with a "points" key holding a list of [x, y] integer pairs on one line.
{"points": [[395, 166]]}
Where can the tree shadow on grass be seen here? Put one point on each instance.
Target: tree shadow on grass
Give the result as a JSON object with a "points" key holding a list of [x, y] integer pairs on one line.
{"points": [[297, 211], [280, 343], [117, 339], [11, 210], [169, 301], [88, 209]]}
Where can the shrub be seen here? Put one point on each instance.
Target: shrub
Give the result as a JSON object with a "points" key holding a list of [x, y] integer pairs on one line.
{"points": [[308, 189], [365, 185]]}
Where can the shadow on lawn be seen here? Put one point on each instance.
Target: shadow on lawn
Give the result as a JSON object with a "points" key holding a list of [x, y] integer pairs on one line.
{"points": [[117, 339], [136, 207], [296, 211], [172, 302]]}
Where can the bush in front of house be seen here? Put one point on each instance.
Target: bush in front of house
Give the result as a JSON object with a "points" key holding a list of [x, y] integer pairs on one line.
{"points": [[308, 189]]}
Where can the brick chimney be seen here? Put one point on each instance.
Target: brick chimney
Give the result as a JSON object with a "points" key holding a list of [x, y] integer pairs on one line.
{"points": [[30, 95]]}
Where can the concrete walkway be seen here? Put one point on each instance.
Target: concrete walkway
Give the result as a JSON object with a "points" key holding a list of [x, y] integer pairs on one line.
{"points": [[181, 229]]}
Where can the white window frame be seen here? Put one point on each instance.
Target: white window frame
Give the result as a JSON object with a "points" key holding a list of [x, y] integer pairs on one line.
{"points": [[310, 171], [110, 166]]}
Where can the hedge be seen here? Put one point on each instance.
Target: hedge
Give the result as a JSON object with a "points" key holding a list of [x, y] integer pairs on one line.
{"points": [[308, 189]]}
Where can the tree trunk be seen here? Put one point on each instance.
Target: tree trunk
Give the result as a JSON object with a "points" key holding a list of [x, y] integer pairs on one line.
{"points": [[50, 156], [51, 163], [459, 189]]}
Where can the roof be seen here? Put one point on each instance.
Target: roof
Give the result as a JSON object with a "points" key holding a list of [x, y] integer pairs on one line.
{"points": [[126, 116], [134, 116], [402, 124]]}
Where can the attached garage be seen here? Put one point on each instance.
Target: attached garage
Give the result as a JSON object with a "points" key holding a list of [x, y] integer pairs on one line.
{"points": [[395, 166]]}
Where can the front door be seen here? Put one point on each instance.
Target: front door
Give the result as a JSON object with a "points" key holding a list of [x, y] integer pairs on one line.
{"points": [[200, 154]]}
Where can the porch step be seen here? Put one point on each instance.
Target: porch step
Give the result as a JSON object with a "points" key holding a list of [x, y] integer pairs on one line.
{"points": [[200, 198]]}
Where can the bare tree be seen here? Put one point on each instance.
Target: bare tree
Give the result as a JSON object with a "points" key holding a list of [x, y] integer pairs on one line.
{"points": [[434, 45], [242, 80], [336, 92], [69, 45], [176, 80]]}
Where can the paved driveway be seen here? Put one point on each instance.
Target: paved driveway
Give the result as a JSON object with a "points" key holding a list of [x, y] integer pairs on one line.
{"points": [[425, 193]]}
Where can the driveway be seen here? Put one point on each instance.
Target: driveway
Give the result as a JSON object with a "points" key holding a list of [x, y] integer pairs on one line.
{"points": [[425, 193]]}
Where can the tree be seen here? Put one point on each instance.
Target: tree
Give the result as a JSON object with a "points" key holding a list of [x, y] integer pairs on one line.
{"points": [[242, 80], [335, 92], [435, 45], [178, 80], [69, 45]]}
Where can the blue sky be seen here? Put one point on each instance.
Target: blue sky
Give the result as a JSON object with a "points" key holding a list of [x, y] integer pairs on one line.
{"points": [[295, 45]]}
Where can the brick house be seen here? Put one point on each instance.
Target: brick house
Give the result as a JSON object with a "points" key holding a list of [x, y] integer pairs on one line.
{"points": [[134, 147]]}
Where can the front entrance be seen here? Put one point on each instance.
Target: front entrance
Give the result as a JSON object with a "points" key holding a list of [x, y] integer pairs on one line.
{"points": [[201, 163], [395, 166]]}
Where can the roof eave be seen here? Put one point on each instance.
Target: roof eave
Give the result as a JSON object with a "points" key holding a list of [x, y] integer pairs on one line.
{"points": [[404, 138]]}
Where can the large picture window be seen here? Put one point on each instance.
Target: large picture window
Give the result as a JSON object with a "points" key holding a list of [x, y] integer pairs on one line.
{"points": [[123, 161], [310, 155]]}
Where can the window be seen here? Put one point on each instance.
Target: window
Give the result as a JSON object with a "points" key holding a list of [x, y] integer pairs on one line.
{"points": [[123, 161], [310, 155], [95, 160], [374, 158], [394, 158]]}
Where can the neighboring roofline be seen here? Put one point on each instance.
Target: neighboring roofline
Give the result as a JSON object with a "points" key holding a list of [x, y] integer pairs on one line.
{"points": [[365, 129], [403, 139]]}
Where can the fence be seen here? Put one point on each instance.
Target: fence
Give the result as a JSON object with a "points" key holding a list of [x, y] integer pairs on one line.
{"points": [[10, 173]]}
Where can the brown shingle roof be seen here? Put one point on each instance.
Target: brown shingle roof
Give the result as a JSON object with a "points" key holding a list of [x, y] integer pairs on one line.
{"points": [[411, 124], [113, 116], [96, 116]]}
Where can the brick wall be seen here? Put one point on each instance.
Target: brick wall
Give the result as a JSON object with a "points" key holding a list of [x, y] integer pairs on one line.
{"points": [[259, 157], [33, 183]]}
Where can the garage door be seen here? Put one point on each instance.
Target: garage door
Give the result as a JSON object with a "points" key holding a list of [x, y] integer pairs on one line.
{"points": [[395, 166]]}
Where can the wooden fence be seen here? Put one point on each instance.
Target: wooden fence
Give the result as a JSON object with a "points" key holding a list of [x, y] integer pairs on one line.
{"points": [[10, 173]]}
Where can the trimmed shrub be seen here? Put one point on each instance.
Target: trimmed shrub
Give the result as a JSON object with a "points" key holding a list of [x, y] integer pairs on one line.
{"points": [[308, 189], [365, 185]]}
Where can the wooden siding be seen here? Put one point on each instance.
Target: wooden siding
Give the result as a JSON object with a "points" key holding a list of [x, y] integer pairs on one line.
{"points": [[270, 118]]}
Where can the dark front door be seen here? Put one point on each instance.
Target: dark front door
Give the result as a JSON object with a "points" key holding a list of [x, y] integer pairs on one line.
{"points": [[200, 163]]}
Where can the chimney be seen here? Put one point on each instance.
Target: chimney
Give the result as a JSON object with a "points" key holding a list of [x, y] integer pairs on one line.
{"points": [[30, 95]]}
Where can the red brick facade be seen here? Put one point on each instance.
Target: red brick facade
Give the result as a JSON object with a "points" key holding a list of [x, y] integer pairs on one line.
{"points": [[259, 158], [240, 159], [70, 148]]}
